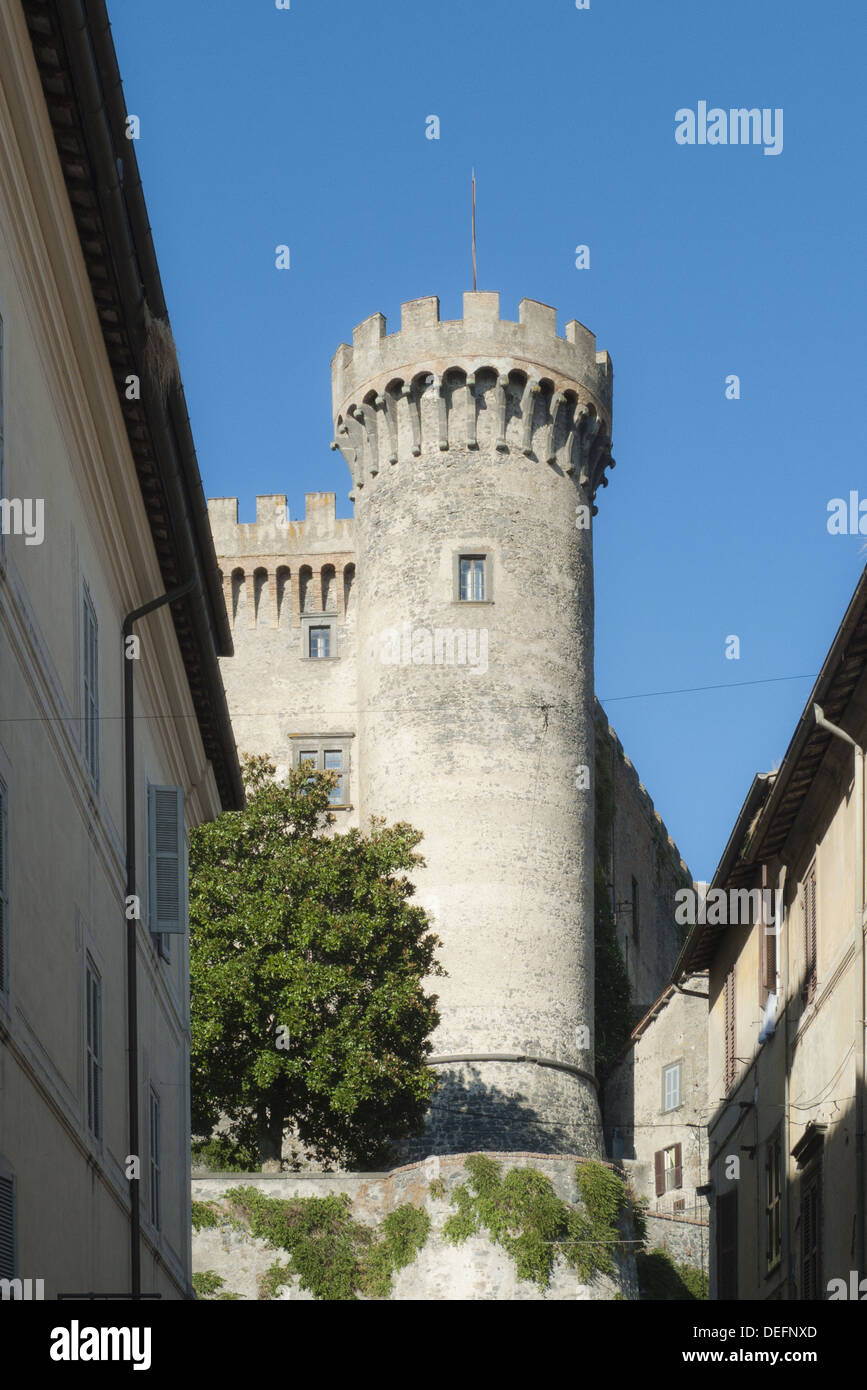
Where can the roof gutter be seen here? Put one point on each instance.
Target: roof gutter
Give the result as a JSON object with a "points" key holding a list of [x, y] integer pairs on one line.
{"points": [[807, 722]]}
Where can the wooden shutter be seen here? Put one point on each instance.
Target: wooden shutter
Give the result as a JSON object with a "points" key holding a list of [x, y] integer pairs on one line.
{"points": [[7, 1229], [90, 669], [659, 1171], [678, 1165], [729, 1027], [810, 936], [769, 956], [166, 861], [4, 891]]}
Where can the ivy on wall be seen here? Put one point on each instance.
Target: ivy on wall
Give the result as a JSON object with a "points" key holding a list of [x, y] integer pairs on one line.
{"points": [[333, 1256], [522, 1213]]}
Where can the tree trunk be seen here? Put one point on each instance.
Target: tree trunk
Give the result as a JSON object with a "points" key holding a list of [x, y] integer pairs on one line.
{"points": [[270, 1135]]}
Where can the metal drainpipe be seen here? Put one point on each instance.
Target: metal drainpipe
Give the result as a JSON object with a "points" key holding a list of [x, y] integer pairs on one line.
{"points": [[132, 922], [860, 1060]]}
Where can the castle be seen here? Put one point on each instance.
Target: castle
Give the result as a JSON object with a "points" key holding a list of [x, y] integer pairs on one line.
{"points": [[437, 653]]}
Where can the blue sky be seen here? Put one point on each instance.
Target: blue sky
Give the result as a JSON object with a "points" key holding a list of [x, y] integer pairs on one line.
{"points": [[307, 127]]}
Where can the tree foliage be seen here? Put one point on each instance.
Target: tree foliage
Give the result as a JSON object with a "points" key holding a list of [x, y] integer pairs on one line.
{"points": [[307, 959]]}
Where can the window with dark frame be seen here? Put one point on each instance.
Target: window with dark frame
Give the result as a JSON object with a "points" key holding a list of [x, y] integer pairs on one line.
{"points": [[472, 579], [319, 643]]}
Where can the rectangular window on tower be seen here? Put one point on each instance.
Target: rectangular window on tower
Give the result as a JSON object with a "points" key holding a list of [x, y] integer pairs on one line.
{"points": [[472, 579], [334, 763], [325, 753]]}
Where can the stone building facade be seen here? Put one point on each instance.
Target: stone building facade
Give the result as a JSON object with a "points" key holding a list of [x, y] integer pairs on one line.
{"points": [[655, 1111]]}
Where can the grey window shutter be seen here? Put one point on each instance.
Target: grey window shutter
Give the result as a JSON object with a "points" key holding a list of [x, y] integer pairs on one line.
{"points": [[8, 1259], [167, 901], [4, 890]]}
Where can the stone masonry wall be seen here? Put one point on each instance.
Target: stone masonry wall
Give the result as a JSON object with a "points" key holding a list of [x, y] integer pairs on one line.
{"points": [[474, 1270]]}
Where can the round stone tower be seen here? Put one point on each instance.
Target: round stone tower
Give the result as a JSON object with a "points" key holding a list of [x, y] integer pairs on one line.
{"points": [[476, 447]]}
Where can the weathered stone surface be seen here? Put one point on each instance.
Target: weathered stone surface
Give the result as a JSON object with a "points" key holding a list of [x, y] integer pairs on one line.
{"points": [[474, 1270]]}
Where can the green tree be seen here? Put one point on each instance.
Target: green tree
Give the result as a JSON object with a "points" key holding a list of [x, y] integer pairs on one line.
{"points": [[306, 962]]}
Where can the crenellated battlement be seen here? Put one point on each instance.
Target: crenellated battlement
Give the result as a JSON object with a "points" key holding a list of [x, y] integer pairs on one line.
{"points": [[319, 531], [281, 568], [479, 383]]}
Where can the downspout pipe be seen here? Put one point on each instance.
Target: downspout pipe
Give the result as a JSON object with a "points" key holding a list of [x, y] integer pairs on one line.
{"points": [[133, 920], [861, 1044]]}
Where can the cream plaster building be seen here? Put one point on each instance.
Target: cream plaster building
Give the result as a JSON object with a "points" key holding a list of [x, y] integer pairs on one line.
{"points": [[786, 1052], [102, 512]]}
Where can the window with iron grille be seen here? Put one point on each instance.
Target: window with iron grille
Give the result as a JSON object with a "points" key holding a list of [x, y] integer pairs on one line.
{"points": [[93, 1048], [810, 935], [729, 1003], [90, 682], [155, 1163], [773, 1201]]}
